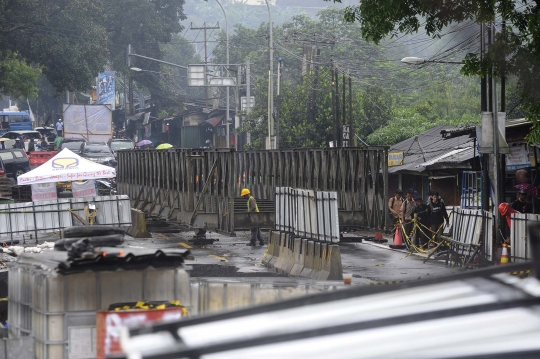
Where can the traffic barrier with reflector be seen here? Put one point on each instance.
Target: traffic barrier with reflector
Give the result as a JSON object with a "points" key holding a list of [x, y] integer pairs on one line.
{"points": [[504, 256], [38, 158]]}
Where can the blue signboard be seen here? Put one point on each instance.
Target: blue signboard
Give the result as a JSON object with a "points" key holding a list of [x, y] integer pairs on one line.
{"points": [[105, 89]]}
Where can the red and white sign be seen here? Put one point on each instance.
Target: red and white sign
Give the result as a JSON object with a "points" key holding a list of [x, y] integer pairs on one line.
{"points": [[83, 189], [109, 324], [44, 191]]}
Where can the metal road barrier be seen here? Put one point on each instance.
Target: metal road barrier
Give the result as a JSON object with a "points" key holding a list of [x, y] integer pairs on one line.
{"points": [[471, 238]]}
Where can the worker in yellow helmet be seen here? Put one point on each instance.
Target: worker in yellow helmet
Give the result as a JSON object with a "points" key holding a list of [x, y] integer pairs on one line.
{"points": [[252, 207]]}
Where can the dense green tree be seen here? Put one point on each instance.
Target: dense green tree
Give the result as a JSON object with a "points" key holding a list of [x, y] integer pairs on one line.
{"points": [[515, 51], [64, 37], [71, 41], [17, 78]]}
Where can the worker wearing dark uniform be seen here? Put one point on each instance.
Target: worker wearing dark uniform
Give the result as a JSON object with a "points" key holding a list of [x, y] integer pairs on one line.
{"points": [[252, 207], [437, 213], [520, 204], [422, 216]]}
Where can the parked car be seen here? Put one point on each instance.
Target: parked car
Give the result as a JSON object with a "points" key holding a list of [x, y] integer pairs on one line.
{"points": [[73, 144], [118, 144], [98, 152], [25, 135], [16, 162]]}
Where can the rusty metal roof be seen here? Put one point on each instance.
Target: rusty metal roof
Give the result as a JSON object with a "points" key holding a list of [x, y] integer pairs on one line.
{"points": [[104, 259], [430, 149]]}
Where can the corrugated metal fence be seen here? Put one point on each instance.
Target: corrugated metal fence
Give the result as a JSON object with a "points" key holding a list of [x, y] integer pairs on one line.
{"points": [[308, 214], [175, 180]]}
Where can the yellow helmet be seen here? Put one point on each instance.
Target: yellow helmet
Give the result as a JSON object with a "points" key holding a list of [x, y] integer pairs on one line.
{"points": [[244, 192]]}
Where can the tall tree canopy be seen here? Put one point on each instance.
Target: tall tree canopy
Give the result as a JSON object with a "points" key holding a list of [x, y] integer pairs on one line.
{"points": [[515, 51], [71, 41]]}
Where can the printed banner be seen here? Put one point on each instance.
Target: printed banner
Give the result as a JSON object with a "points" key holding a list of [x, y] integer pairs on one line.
{"points": [[84, 189], [110, 324], [105, 87], [518, 157], [91, 122], [43, 191]]}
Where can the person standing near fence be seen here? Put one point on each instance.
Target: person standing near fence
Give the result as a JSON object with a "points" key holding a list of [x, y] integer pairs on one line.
{"points": [[406, 212], [394, 205], [59, 127], [421, 210], [437, 213], [520, 204], [252, 207]]}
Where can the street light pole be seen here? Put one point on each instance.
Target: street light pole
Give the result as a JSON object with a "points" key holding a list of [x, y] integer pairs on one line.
{"points": [[227, 89], [496, 152], [271, 139]]}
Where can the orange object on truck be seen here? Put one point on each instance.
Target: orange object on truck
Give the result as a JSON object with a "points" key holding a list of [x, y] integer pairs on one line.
{"points": [[38, 158]]}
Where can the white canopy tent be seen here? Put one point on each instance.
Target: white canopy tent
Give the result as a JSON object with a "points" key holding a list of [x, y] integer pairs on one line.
{"points": [[66, 166]]}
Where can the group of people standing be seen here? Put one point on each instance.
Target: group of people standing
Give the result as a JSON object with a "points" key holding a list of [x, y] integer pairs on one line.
{"points": [[431, 214]]}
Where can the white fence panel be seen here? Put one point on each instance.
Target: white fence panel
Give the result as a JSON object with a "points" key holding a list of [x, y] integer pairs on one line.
{"points": [[284, 209], [306, 213], [327, 216], [47, 216], [519, 236]]}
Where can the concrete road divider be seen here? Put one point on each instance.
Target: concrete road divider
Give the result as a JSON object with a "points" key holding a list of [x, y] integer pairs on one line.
{"points": [[307, 260], [316, 261], [138, 227], [298, 257], [269, 254], [303, 257], [332, 268], [277, 241], [289, 254]]}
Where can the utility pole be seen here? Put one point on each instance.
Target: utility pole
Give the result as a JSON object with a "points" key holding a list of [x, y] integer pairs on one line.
{"points": [[484, 108], [352, 139], [271, 138], [248, 95], [496, 152], [314, 43], [205, 28], [343, 113], [334, 113], [280, 65], [337, 126]]}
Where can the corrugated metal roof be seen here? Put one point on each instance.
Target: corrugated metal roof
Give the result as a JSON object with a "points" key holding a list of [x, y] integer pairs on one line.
{"points": [[105, 259], [430, 148]]}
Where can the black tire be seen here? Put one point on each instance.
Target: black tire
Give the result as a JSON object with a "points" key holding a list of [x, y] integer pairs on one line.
{"points": [[91, 231], [19, 172], [112, 240]]}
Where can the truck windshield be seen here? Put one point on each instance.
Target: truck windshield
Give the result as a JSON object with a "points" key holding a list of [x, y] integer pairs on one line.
{"points": [[97, 149], [122, 145], [75, 145]]}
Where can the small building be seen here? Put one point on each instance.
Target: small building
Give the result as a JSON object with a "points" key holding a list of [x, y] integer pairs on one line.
{"points": [[435, 159]]}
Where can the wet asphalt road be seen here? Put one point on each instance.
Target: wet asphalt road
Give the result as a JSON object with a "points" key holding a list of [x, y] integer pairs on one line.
{"points": [[230, 257]]}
